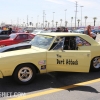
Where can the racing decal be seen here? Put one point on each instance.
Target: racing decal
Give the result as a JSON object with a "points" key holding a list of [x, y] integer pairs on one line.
{"points": [[58, 55], [67, 62], [71, 62], [43, 67], [42, 62]]}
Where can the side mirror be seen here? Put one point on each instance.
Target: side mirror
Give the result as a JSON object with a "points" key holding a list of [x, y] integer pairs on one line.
{"points": [[62, 48]]}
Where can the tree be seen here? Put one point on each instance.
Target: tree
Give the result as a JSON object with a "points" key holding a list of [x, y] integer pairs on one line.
{"points": [[48, 24], [94, 18], [85, 20], [52, 23], [45, 23], [71, 21], [66, 23], [56, 24], [78, 22], [61, 22]]}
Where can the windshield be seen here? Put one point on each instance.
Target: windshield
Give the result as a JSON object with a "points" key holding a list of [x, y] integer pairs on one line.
{"points": [[42, 41], [12, 36]]}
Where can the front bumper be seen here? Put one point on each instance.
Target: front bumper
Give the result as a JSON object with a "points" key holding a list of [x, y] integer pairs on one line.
{"points": [[1, 75]]}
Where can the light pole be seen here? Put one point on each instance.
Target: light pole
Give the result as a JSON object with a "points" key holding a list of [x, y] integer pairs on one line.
{"points": [[53, 19], [65, 17], [81, 15]]}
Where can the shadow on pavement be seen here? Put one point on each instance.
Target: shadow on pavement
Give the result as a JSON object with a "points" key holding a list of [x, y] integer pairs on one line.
{"points": [[50, 80]]}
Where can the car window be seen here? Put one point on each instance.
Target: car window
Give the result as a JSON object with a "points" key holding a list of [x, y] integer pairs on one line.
{"points": [[60, 44], [22, 36], [82, 42]]}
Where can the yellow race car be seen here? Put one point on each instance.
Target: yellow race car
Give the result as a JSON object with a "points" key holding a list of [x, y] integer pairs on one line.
{"points": [[67, 52]]}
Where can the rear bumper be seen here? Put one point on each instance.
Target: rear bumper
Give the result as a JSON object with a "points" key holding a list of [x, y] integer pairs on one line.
{"points": [[1, 75]]}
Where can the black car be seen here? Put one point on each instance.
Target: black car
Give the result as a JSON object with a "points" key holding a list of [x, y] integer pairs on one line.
{"points": [[4, 34], [19, 46]]}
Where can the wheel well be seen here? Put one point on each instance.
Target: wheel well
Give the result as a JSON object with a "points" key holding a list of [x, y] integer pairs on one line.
{"points": [[37, 70], [92, 60]]}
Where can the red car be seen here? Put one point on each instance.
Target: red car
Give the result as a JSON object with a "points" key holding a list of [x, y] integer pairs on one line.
{"points": [[16, 38]]}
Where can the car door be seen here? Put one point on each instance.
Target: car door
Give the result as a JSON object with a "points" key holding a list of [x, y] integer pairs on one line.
{"points": [[68, 60]]}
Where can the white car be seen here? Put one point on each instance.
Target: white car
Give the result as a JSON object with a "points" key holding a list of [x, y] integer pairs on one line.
{"points": [[37, 31]]}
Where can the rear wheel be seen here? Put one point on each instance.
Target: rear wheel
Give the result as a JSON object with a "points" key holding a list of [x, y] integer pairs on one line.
{"points": [[95, 64], [24, 74]]}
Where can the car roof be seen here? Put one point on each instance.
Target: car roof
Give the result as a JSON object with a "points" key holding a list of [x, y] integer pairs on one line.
{"points": [[61, 34]]}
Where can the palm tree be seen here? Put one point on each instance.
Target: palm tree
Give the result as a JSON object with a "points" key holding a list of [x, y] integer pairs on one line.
{"points": [[71, 21], [52, 23], [56, 24], [48, 24], [66, 23], [94, 18], [45, 23], [85, 20], [61, 22], [78, 22]]}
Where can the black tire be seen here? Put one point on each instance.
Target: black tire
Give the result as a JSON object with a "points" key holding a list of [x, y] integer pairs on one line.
{"points": [[22, 71], [95, 64]]}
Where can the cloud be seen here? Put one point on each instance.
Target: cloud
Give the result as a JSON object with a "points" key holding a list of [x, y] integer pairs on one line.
{"points": [[56, 1]]}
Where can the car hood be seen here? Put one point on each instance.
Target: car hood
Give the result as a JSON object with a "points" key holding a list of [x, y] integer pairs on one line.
{"points": [[22, 52]]}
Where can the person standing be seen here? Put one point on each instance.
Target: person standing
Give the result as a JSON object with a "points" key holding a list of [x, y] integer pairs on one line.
{"points": [[90, 33], [9, 30]]}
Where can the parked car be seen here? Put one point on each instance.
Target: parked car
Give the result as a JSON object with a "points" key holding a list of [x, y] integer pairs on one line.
{"points": [[4, 32], [37, 31], [19, 46], [3, 37], [16, 38], [71, 52]]}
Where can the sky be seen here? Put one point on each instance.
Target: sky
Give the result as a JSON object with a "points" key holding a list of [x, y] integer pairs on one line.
{"points": [[16, 11]]}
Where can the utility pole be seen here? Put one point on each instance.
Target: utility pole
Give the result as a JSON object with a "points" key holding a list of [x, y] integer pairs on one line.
{"points": [[76, 14]]}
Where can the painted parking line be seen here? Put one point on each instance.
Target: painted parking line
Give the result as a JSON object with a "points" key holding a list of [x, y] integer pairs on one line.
{"points": [[55, 90]]}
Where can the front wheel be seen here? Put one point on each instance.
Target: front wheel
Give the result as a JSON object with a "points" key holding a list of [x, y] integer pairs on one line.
{"points": [[24, 74], [95, 64]]}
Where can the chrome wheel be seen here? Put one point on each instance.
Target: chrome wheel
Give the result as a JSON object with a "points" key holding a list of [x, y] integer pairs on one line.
{"points": [[96, 62], [25, 74]]}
